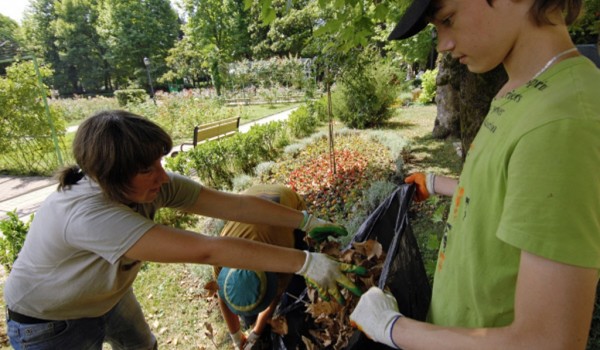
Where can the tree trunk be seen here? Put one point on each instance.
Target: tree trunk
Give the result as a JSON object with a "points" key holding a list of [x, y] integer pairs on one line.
{"points": [[463, 99]]}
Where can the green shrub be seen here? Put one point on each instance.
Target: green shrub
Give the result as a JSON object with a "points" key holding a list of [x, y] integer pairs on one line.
{"points": [[26, 139], [179, 115], [302, 123], [216, 163], [211, 162], [127, 96], [318, 109], [365, 92], [76, 109], [12, 238], [242, 182], [428, 86], [175, 218]]}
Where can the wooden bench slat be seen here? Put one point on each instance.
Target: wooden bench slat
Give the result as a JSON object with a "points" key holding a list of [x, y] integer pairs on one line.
{"points": [[218, 129]]}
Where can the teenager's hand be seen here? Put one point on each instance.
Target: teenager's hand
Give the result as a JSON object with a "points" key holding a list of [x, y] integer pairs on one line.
{"points": [[425, 185], [319, 229], [324, 274], [375, 315]]}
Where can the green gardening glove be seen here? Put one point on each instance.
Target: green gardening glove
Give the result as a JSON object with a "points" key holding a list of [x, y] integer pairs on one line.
{"points": [[319, 229], [324, 273]]}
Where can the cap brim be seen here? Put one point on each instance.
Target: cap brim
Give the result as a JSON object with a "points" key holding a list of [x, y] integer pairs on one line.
{"points": [[412, 22]]}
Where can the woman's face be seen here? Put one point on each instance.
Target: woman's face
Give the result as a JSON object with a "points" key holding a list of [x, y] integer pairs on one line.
{"points": [[146, 184]]}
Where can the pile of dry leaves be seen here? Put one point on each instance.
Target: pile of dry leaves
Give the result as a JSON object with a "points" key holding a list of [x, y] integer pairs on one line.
{"points": [[331, 327]]}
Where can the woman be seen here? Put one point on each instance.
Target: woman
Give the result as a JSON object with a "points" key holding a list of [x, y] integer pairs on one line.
{"points": [[71, 286]]}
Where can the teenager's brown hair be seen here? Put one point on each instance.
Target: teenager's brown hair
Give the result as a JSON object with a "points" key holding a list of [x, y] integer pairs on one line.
{"points": [[540, 8]]}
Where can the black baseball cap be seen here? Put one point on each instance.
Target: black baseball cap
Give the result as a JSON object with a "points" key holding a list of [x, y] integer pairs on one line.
{"points": [[413, 20]]}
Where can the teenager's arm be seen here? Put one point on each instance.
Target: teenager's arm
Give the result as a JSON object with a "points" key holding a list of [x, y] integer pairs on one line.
{"points": [[445, 185], [553, 310]]}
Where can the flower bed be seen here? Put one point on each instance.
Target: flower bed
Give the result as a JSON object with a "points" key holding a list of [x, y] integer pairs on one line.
{"points": [[335, 196]]}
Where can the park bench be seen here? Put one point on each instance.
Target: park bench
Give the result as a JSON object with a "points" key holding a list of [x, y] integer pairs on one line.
{"points": [[214, 130]]}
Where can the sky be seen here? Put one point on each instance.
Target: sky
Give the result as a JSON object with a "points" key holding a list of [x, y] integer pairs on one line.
{"points": [[13, 8]]}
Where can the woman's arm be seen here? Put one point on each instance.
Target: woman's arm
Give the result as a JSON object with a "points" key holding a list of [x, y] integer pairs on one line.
{"points": [[167, 244], [553, 310], [245, 208]]}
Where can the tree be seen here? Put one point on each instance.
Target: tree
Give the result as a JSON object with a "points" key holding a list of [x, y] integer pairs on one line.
{"points": [[186, 61], [289, 33], [38, 33], [9, 44], [212, 28], [133, 30], [586, 30], [8, 27], [81, 54]]}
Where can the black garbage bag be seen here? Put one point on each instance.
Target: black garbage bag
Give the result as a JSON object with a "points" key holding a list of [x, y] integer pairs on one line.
{"points": [[403, 273]]}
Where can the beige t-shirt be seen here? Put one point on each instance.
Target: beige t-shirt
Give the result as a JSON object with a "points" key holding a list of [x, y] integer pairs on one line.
{"points": [[71, 265]]}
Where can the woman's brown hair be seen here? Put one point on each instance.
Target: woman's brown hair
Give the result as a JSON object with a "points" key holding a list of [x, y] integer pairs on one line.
{"points": [[111, 147]]}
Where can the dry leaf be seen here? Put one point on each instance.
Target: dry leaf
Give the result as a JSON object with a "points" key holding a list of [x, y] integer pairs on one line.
{"points": [[369, 248], [332, 329], [279, 325], [323, 308], [211, 288], [209, 331], [308, 343], [331, 248]]}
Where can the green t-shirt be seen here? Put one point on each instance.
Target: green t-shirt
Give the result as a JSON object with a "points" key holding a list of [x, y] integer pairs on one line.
{"points": [[531, 181]]}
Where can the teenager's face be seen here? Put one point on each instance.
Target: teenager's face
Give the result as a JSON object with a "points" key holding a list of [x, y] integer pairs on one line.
{"points": [[477, 34], [146, 184]]}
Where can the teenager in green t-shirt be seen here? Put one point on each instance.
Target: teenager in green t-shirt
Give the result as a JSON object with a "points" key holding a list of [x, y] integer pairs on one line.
{"points": [[519, 260]]}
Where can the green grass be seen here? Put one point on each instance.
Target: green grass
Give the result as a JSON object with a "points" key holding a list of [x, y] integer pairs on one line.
{"points": [[251, 113]]}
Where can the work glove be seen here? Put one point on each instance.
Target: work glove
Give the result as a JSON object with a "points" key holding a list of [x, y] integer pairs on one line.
{"points": [[238, 338], [319, 229], [324, 273], [375, 315], [424, 182], [251, 341]]}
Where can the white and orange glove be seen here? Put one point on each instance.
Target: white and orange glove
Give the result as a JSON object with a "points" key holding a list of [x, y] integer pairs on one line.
{"points": [[251, 341], [239, 339], [375, 315], [425, 183]]}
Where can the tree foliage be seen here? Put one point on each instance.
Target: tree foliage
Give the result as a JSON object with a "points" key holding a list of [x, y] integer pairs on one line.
{"points": [[133, 30], [8, 28], [26, 143], [9, 42], [80, 51]]}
